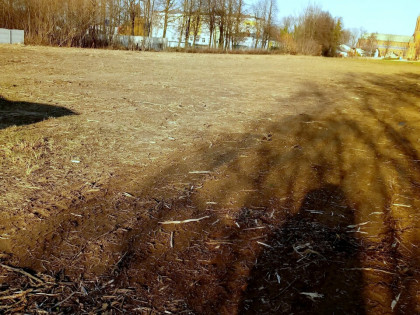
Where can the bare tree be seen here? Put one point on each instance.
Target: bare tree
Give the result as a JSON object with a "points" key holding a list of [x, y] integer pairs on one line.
{"points": [[196, 19], [285, 35], [210, 18], [259, 12], [270, 10], [221, 9], [317, 32], [132, 8], [188, 6], [345, 37], [148, 11], [387, 44], [354, 34], [238, 34], [369, 44], [66, 22], [168, 5], [229, 21]]}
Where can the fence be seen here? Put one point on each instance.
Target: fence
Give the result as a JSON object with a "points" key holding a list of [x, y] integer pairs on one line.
{"points": [[11, 36], [141, 42]]}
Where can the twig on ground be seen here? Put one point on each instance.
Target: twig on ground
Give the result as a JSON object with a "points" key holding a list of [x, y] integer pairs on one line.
{"points": [[19, 270], [16, 295], [66, 299], [264, 244], [373, 269], [184, 221]]}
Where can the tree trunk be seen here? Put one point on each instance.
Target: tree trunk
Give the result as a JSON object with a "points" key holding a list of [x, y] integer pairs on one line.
{"points": [[165, 24]]}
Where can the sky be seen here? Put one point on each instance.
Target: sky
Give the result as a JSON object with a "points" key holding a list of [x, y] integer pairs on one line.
{"points": [[383, 16]]}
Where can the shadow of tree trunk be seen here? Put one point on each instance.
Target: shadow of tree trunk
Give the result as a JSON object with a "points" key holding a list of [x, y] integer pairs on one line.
{"points": [[310, 263]]}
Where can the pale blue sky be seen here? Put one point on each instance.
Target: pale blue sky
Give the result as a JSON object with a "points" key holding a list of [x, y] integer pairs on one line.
{"points": [[382, 16]]}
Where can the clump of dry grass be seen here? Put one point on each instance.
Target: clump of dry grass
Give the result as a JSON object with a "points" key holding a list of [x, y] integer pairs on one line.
{"points": [[24, 151]]}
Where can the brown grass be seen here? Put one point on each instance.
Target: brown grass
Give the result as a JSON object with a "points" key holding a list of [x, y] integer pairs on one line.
{"points": [[298, 175], [206, 50]]}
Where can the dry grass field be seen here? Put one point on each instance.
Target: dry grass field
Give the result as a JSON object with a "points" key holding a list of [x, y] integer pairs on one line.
{"points": [[207, 184]]}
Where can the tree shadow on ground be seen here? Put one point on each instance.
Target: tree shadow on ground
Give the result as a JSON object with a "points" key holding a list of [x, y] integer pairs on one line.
{"points": [[357, 158], [310, 263], [299, 214], [24, 113]]}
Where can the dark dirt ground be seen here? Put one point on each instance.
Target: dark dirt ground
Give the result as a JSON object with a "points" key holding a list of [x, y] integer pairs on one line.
{"points": [[301, 175]]}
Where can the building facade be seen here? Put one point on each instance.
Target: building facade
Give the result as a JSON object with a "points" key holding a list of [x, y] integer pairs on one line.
{"points": [[397, 46], [249, 33], [176, 37], [414, 44]]}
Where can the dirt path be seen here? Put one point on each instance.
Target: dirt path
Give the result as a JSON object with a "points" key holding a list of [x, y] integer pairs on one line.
{"points": [[303, 174]]}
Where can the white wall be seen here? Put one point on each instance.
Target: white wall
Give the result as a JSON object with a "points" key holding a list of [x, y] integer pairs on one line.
{"points": [[11, 36], [4, 36], [17, 37]]}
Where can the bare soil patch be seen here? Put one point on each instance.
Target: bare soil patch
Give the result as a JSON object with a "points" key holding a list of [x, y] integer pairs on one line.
{"points": [[301, 176]]}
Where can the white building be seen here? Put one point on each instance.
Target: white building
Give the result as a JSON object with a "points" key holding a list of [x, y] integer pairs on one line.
{"points": [[174, 38]]}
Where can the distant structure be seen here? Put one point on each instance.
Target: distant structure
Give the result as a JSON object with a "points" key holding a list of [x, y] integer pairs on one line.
{"points": [[175, 36], [397, 46], [413, 52]]}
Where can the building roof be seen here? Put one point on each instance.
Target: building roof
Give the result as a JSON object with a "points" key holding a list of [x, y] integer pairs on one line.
{"points": [[389, 37], [343, 47]]}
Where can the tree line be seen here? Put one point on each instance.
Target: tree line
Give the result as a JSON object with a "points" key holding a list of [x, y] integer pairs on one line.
{"points": [[93, 23], [80, 23], [313, 32]]}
